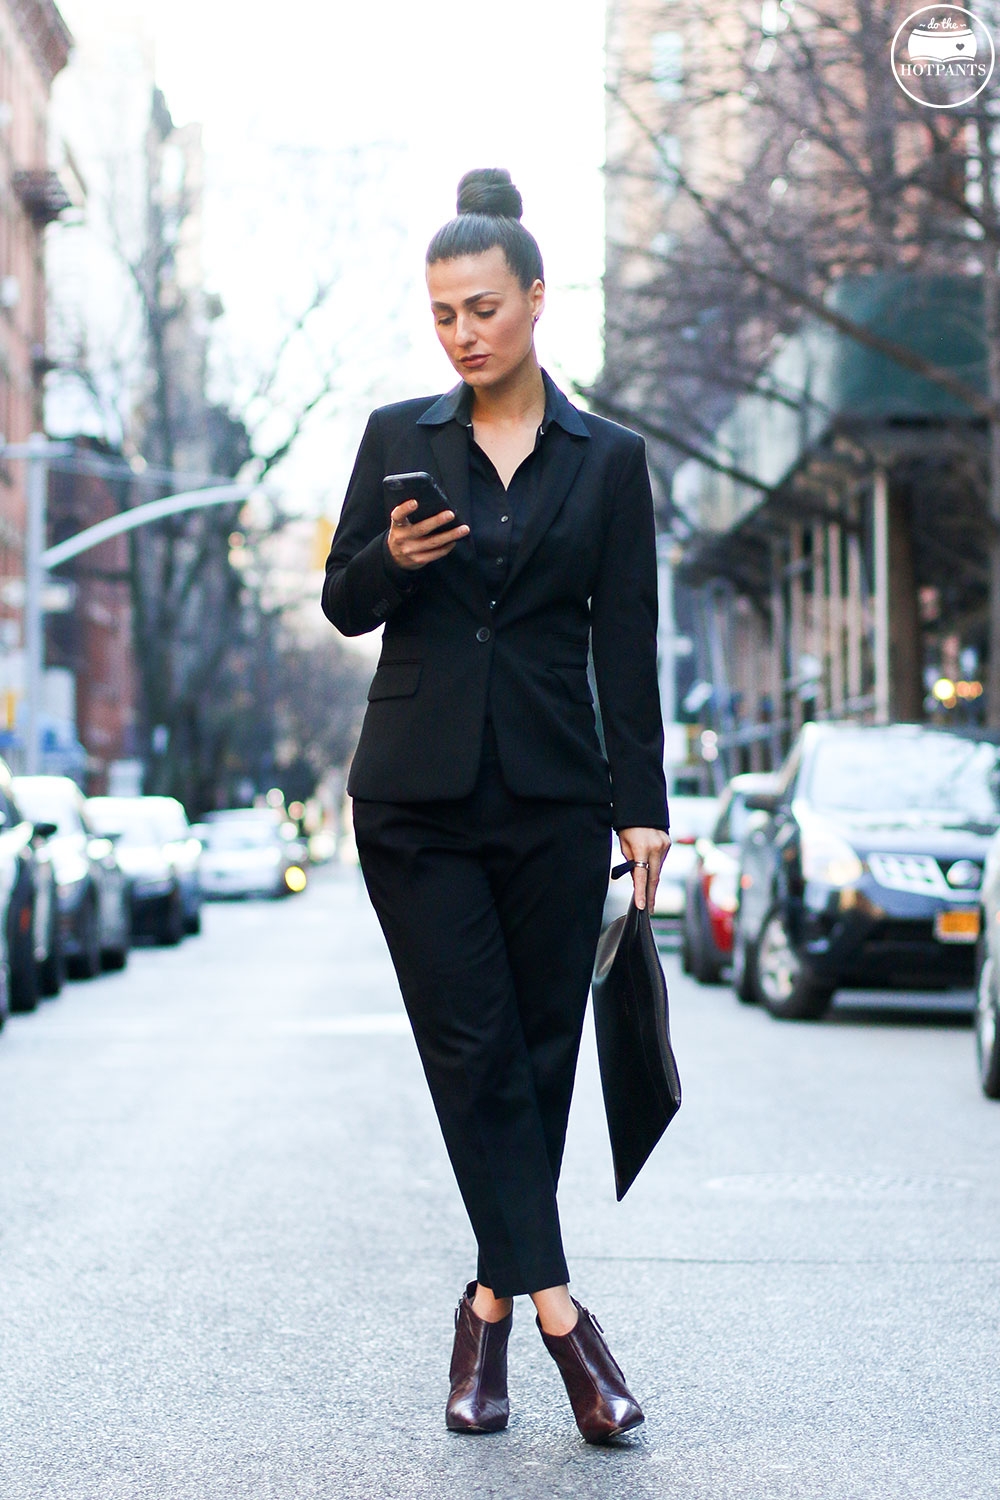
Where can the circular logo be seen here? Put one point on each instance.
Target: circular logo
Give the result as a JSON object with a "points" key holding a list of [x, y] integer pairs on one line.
{"points": [[942, 56]]}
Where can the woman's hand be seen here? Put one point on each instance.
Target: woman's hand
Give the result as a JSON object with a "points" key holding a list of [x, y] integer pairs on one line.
{"points": [[650, 845], [410, 542]]}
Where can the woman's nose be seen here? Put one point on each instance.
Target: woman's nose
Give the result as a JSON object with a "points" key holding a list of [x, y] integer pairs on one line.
{"points": [[466, 332]]}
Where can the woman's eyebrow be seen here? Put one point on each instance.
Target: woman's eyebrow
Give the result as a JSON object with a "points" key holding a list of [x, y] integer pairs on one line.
{"points": [[468, 302]]}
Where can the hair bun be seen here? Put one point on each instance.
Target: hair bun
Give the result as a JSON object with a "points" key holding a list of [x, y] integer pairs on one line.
{"points": [[489, 190]]}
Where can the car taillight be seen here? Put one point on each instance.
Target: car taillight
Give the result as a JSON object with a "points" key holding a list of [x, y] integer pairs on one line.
{"points": [[721, 890]]}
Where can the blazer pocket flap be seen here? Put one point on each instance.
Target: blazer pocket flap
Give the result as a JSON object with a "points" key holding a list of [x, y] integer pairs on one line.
{"points": [[395, 679], [576, 680]]}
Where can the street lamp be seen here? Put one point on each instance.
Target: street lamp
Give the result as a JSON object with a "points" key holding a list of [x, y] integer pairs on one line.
{"points": [[39, 451]]}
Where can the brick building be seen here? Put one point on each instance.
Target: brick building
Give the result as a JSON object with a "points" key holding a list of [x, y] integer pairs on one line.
{"points": [[91, 642], [34, 47], [766, 178]]}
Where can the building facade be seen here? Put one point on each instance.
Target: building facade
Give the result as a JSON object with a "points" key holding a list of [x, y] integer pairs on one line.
{"points": [[90, 641], [796, 320], [34, 48]]}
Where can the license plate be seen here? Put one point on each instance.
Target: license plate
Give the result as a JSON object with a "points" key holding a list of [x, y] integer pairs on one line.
{"points": [[956, 926]]}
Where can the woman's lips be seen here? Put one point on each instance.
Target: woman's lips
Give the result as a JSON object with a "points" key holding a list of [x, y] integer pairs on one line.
{"points": [[474, 361]]}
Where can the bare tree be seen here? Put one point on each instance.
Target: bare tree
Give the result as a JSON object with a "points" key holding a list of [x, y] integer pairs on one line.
{"points": [[208, 641], [787, 162]]}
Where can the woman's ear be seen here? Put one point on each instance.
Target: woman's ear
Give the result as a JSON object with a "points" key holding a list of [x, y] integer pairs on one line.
{"points": [[536, 299]]}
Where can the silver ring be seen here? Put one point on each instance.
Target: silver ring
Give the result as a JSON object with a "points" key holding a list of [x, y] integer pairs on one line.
{"points": [[642, 864], [400, 523]]}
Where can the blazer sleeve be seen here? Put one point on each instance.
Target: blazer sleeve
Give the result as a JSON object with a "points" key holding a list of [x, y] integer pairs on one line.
{"points": [[363, 583], [623, 614]]}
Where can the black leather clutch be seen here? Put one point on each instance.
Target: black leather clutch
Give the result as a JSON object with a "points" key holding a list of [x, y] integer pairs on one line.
{"points": [[642, 1088]]}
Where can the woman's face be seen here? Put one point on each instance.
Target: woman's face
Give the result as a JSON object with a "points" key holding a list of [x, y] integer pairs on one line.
{"points": [[484, 317]]}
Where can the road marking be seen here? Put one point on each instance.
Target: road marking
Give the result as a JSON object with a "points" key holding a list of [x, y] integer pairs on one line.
{"points": [[389, 1023], [835, 1185]]}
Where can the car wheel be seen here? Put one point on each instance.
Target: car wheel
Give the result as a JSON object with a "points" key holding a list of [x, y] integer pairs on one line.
{"points": [[686, 955], [192, 923], [743, 967], [786, 985], [116, 957], [23, 965], [52, 969], [988, 1031], [172, 926], [87, 963], [704, 967]]}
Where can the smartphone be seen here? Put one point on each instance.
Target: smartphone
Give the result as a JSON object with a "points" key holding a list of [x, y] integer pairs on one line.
{"points": [[422, 487]]}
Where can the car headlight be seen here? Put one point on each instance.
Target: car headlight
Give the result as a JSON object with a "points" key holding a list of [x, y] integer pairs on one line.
{"points": [[828, 859]]}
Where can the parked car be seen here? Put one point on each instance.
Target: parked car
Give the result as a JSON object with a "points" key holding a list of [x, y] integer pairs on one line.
{"points": [[690, 819], [8, 880], [248, 857], [988, 983], [91, 887], [868, 867], [31, 914], [183, 850], [156, 900], [712, 893]]}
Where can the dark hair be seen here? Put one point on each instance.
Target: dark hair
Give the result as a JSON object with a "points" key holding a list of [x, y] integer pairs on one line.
{"points": [[489, 214]]}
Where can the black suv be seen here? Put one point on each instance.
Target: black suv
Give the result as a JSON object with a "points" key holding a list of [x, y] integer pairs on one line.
{"points": [[867, 869]]}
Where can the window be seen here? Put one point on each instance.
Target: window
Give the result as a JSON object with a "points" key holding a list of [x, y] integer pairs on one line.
{"points": [[668, 63]]}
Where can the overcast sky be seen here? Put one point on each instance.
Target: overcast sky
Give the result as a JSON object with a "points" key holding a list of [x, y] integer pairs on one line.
{"points": [[335, 136]]}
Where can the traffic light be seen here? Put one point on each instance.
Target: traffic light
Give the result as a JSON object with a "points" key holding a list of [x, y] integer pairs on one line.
{"points": [[322, 536]]}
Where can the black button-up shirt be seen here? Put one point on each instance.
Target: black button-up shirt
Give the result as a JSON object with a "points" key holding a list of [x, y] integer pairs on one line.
{"points": [[497, 515]]}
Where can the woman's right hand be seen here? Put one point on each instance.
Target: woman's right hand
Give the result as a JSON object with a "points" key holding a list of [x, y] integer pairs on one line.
{"points": [[411, 544]]}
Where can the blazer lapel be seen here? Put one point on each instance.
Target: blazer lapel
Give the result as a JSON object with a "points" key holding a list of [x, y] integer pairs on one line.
{"points": [[450, 447], [561, 458]]}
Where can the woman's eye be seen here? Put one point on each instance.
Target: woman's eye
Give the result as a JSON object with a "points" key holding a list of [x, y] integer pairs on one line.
{"points": [[487, 312], [442, 321]]}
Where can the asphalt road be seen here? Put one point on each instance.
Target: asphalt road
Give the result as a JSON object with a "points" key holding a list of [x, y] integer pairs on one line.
{"points": [[230, 1246]]}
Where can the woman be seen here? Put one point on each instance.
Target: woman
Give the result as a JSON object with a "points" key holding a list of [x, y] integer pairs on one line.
{"points": [[483, 802]]}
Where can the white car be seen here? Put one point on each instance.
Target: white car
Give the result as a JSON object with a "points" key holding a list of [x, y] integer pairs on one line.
{"points": [[247, 858], [691, 818]]}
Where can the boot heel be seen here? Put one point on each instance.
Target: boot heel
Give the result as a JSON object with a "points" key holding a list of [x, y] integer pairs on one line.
{"points": [[602, 1403]]}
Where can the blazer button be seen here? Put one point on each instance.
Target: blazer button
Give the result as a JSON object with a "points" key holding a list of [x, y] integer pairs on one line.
{"points": [[483, 633]]}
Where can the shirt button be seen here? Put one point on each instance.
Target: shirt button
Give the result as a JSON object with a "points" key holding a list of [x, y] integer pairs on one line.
{"points": [[483, 633], [499, 562], [505, 518]]}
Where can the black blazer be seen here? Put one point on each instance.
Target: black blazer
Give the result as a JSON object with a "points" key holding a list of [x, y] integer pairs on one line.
{"points": [[585, 568]]}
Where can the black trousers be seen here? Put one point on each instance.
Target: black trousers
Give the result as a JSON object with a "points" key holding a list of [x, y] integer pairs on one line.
{"points": [[491, 907]]}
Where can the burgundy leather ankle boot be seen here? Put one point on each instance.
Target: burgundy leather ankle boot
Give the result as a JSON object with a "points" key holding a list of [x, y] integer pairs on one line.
{"points": [[478, 1398], [602, 1403]]}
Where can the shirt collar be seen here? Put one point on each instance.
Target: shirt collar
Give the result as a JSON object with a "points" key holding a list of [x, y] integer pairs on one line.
{"points": [[456, 406]]}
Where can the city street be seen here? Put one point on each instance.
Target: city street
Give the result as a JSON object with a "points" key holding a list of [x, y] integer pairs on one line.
{"points": [[231, 1245]]}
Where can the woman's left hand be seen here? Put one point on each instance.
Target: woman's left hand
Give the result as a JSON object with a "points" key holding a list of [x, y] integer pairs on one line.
{"points": [[649, 845]]}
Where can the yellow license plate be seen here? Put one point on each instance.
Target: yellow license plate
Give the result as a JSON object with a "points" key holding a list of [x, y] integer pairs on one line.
{"points": [[956, 926]]}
